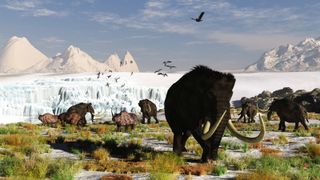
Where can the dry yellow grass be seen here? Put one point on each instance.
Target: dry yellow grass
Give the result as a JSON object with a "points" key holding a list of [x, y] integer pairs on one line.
{"points": [[116, 177], [270, 152], [260, 176], [198, 169], [101, 154], [313, 149], [257, 145]]}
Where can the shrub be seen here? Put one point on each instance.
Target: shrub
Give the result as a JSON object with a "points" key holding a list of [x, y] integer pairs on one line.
{"points": [[9, 165], [62, 169], [313, 150], [165, 163], [270, 152], [219, 170], [101, 154]]}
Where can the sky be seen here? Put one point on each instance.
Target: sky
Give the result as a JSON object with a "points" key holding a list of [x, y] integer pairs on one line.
{"points": [[232, 35]]}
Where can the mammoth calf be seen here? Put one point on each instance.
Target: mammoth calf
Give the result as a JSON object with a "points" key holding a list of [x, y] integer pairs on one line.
{"points": [[199, 104], [72, 118], [288, 111], [249, 109], [148, 109], [48, 119], [125, 119]]}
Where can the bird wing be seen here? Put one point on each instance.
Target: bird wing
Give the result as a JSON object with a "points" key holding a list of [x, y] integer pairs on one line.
{"points": [[201, 14]]}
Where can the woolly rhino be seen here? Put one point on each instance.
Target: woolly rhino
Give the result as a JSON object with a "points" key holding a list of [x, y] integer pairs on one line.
{"points": [[124, 119], [199, 104]]}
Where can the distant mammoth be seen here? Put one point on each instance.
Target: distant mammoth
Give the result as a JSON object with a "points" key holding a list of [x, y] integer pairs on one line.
{"points": [[199, 104], [125, 119], [71, 118], [82, 109], [148, 109], [250, 109], [288, 111], [48, 119]]}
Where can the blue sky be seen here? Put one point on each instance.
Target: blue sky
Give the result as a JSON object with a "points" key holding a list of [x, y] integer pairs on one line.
{"points": [[234, 33]]}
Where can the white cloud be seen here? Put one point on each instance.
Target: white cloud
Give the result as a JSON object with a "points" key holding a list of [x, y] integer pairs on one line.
{"points": [[254, 41], [53, 39], [32, 8]]}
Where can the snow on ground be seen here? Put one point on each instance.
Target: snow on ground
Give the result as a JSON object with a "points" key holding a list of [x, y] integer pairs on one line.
{"points": [[23, 97]]}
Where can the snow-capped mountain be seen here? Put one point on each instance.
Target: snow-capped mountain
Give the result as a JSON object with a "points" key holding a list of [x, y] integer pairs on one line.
{"points": [[129, 64], [304, 56], [18, 54], [74, 60], [114, 62]]}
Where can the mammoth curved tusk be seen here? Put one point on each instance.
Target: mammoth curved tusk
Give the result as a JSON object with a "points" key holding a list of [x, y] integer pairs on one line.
{"points": [[261, 110], [213, 128], [259, 138]]}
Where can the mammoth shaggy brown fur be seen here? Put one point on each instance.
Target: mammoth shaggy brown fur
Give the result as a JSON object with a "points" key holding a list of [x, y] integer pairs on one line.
{"points": [[288, 111], [48, 119], [148, 109], [249, 109], [198, 101], [80, 109], [71, 118]]}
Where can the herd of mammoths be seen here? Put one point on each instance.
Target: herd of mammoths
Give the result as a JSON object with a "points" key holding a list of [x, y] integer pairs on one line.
{"points": [[198, 104]]}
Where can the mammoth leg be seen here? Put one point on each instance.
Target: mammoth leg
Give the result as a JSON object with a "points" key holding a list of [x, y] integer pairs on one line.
{"points": [[143, 117], [155, 117], [118, 128], [204, 145], [177, 143], [185, 137], [149, 119], [296, 126], [282, 125], [132, 126], [303, 122], [126, 128]]}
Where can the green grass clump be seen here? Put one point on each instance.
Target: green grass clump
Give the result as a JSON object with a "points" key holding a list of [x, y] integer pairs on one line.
{"points": [[8, 165], [302, 133], [219, 170], [62, 169], [165, 163]]}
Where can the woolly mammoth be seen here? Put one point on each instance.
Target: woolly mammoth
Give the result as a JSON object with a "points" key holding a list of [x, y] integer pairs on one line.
{"points": [[82, 109], [72, 118], [288, 111], [198, 104], [250, 109], [148, 109], [124, 119]]}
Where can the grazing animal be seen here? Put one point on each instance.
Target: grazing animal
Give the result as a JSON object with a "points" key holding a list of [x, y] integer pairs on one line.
{"points": [[71, 118], [125, 119], [199, 104], [48, 119], [288, 111], [171, 67], [148, 109], [249, 109], [199, 18], [82, 109], [99, 74]]}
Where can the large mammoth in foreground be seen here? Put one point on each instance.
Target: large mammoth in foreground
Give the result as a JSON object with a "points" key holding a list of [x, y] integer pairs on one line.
{"points": [[289, 111], [198, 104], [81, 109]]}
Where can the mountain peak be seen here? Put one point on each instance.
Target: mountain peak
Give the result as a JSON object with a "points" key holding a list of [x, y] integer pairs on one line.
{"points": [[19, 54], [304, 56]]}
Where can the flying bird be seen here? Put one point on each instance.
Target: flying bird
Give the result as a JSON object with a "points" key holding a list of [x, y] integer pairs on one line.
{"points": [[116, 79], [162, 74], [157, 70], [108, 76], [131, 74], [170, 67], [199, 18], [165, 63], [107, 84], [123, 85], [98, 75]]}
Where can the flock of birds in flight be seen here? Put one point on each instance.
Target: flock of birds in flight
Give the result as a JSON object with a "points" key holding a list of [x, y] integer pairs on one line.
{"points": [[166, 64]]}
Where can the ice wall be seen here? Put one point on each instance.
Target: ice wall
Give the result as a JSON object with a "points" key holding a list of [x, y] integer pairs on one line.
{"points": [[55, 94]]}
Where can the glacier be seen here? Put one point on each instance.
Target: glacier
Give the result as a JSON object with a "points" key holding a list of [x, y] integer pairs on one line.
{"points": [[24, 96]]}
